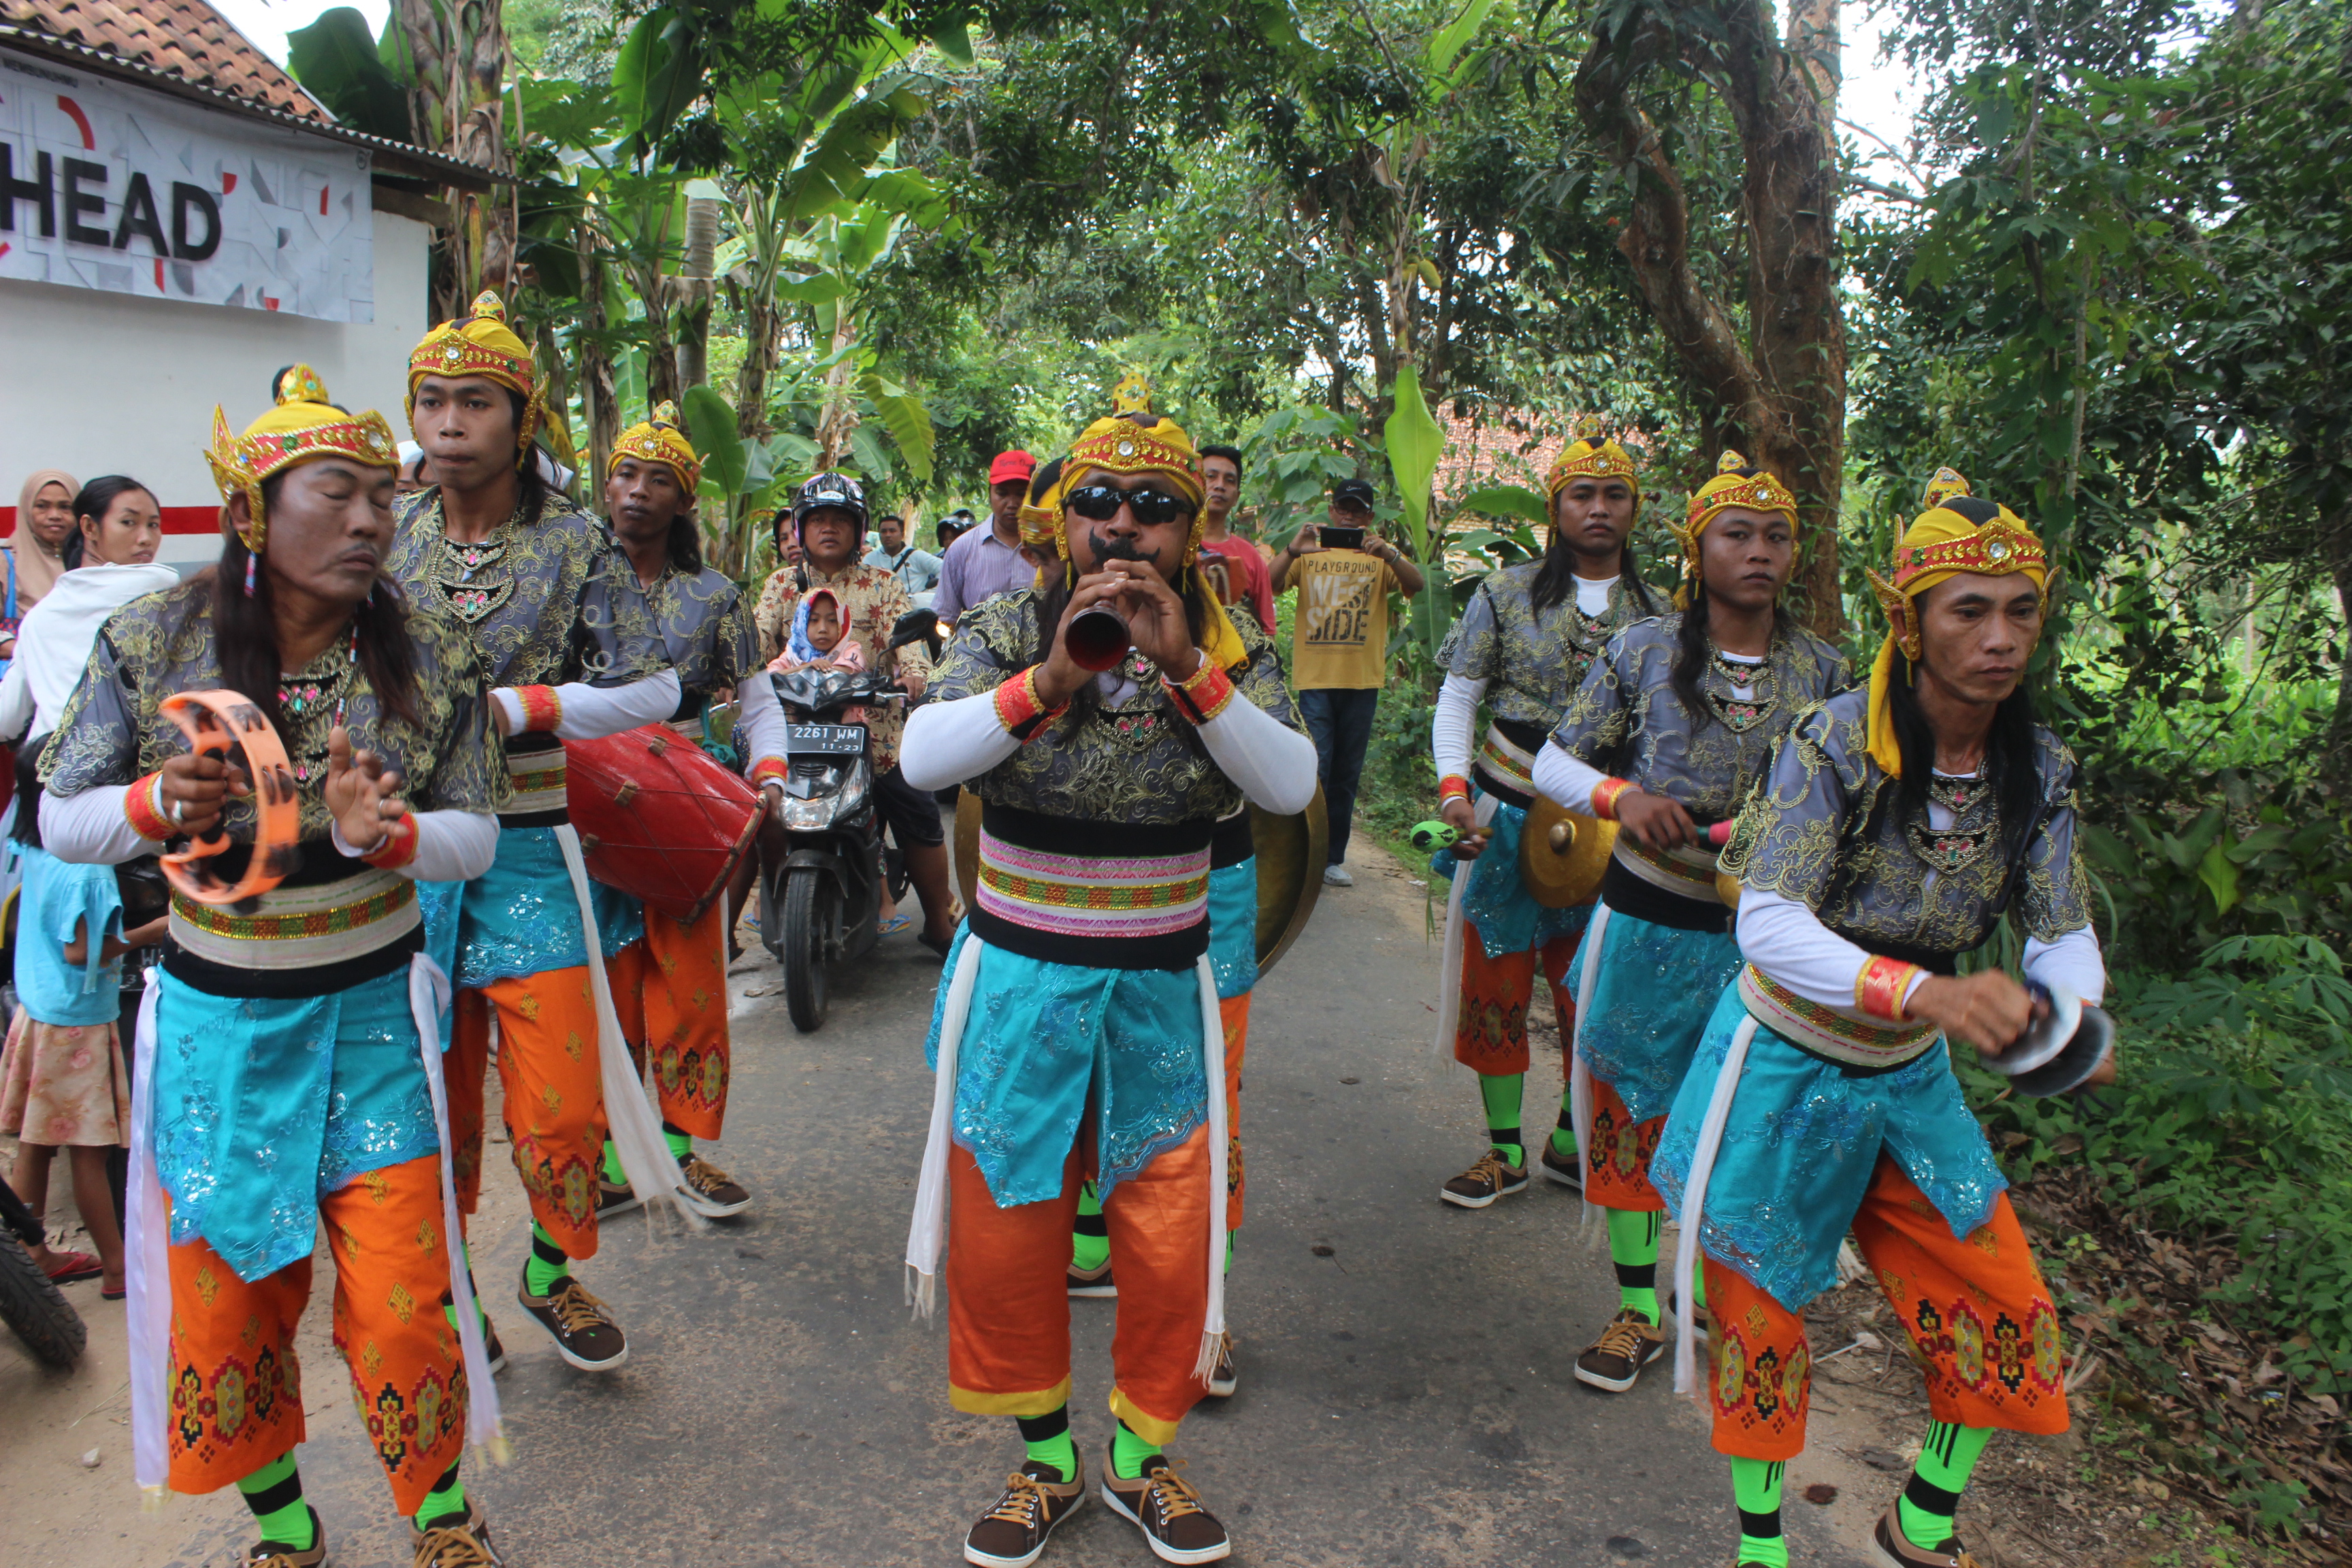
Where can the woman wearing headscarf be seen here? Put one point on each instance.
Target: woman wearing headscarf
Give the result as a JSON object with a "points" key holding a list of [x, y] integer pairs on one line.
{"points": [[1079, 1025], [289, 1047], [1520, 649], [1897, 825], [34, 547], [1669, 732]]}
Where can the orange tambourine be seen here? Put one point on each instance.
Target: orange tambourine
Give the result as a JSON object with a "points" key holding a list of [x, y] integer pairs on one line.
{"points": [[227, 724]]}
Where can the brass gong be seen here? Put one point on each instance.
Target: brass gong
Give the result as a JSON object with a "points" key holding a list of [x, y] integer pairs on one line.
{"points": [[1563, 853], [1290, 852]]}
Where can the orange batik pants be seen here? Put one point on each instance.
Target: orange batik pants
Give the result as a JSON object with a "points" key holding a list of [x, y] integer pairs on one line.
{"points": [[1979, 1319], [1232, 1012], [670, 989], [1617, 1159], [237, 1390], [553, 1096], [1491, 1035], [1008, 1291]]}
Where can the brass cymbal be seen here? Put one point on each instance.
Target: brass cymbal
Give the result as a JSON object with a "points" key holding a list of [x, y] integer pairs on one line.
{"points": [[1563, 853], [1290, 852], [967, 845]]}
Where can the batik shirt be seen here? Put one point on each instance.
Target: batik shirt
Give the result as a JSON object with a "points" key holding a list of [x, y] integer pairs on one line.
{"points": [[1626, 720], [1532, 663], [873, 600], [546, 603], [707, 635], [1825, 832], [1124, 758]]}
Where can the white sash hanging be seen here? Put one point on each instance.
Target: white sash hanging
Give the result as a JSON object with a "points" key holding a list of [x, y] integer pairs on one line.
{"points": [[1710, 1139], [1449, 971], [1579, 1074]]}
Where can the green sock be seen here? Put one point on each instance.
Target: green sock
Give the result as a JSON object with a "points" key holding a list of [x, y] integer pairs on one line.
{"points": [[274, 1493], [1946, 1460], [1128, 1452], [681, 1144], [1229, 1250], [1047, 1438], [1089, 1238], [547, 1265], [1633, 1248], [445, 1500], [1501, 1093], [612, 1171], [1563, 1137], [1755, 1487], [449, 1311]]}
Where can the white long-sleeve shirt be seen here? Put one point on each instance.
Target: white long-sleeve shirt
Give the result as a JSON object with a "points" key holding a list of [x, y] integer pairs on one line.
{"points": [[1453, 730], [592, 712], [93, 828]]}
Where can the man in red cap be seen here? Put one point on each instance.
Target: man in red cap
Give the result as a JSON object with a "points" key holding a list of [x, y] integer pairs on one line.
{"points": [[988, 561]]}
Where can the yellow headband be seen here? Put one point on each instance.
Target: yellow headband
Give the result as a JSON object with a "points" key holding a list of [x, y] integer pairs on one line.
{"points": [[484, 345], [1592, 456], [1942, 542], [1731, 487], [659, 440], [1136, 441], [302, 427]]}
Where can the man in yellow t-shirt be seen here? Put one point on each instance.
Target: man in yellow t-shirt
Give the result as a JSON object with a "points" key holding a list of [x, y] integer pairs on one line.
{"points": [[1339, 644]]}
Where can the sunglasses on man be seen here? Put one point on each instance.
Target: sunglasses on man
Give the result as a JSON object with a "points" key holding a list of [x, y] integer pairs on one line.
{"points": [[1100, 503]]}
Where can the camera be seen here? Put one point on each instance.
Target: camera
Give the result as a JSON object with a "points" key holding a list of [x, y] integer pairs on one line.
{"points": [[1340, 538]]}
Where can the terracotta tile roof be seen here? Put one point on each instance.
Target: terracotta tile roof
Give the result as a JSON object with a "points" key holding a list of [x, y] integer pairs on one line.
{"points": [[186, 38]]}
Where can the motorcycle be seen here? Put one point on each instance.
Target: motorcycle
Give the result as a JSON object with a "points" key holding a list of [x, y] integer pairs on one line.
{"points": [[820, 896], [29, 1303]]}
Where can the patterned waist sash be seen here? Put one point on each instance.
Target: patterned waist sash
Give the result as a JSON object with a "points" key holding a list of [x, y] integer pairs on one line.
{"points": [[1506, 768], [1682, 870], [1834, 1033], [538, 778], [1100, 895], [312, 927]]}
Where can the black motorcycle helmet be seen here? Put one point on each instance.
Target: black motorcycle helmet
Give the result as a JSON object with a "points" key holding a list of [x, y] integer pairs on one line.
{"points": [[833, 489]]}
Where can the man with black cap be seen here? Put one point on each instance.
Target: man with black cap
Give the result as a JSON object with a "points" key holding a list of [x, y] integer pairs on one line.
{"points": [[1344, 572]]}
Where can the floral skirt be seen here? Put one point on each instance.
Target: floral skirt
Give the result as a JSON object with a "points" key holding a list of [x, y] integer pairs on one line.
{"points": [[64, 1084]]}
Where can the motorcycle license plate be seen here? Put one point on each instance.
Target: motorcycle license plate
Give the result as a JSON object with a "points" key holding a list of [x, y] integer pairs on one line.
{"points": [[828, 739]]}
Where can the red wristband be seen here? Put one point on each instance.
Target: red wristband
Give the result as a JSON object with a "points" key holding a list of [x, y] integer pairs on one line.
{"points": [[1879, 989], [399, 845], [1020, 709], [769, 769], [1453, 786], [1604, 798], [542, 709], [139, 808], [1209, 692]]}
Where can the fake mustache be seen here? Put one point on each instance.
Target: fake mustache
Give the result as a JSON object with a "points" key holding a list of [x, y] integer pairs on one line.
{"points": [[1115, 548]]}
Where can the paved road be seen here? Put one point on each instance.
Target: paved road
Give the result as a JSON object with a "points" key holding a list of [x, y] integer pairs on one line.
{"points": [[1406, 1394]]}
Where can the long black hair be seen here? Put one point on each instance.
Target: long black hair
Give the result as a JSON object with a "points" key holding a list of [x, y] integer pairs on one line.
{"points": [[530, 493], [1693, 647], [685, 542], [245, 632], [26, 827], [96, 497], [1556, 581]]}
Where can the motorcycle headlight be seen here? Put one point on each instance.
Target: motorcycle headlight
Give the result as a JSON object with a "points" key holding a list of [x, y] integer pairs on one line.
{"points": [[811, 816]]}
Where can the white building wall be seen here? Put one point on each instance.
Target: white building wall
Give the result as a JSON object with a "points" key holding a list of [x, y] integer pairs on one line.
{"points": [[109, 384]]}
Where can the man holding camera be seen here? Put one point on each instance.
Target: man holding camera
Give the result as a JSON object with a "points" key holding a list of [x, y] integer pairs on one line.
{"points": [[1338, 658]]}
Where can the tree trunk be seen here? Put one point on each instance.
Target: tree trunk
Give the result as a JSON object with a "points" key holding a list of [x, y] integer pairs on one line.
{"points": [[760, 328], [695, 290], [457, 51], [1781, 394], [598, 400]]}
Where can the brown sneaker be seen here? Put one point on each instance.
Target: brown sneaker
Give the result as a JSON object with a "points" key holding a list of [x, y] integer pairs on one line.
{"points": [[583, 1333], [278, 1555], [711, 1190], [1485, 1182], [1565, 1169], [1222, 1378], [1895, 1551], [1094, 1283], [455, 1540], [492, 1351], [614, 1197], [1615, 1360], [1013, 1532], [1163, 1505]]}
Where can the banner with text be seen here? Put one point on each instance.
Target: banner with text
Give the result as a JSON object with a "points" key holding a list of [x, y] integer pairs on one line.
{"points": [[106, 185]]}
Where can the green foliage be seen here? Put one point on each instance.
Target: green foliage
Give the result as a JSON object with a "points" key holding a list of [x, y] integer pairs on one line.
{"points": [[364, 81]]}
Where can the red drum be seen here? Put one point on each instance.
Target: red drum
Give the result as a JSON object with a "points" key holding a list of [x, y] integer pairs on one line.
{"points": [[658, 818]]}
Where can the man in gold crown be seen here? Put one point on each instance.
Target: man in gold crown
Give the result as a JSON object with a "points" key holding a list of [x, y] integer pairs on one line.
{"points": [[1669, 732], [561, 626], [1897, 825], [1107, 719], [289, 1047], [1520, 649], [670, 984]]}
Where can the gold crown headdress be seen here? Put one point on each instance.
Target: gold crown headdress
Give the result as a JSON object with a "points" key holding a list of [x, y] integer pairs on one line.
{"points": [[1946, 540], [1592, 456], [302, 427], [484, 345], [660, 439]]}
